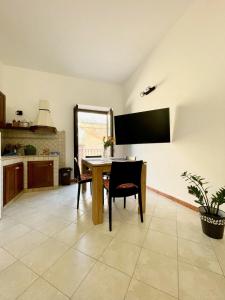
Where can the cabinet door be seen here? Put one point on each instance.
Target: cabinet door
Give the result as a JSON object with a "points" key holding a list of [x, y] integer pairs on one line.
{"points": [[40, 174], [8, 183], [18, 178], [12, 181]]}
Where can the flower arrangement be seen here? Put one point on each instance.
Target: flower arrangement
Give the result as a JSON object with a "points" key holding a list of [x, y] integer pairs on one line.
{"points": [[107, 142]]}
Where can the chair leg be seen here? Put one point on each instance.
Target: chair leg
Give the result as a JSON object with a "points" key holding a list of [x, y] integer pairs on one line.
{"points": [[110, 213], [124, 202], [113, 199], [78, 195], [103, 196], [135, 197], [91, 187], [140, 206]]}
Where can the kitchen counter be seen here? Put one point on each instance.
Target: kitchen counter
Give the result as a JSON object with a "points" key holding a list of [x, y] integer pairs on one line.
{"points": [[5, 157]]}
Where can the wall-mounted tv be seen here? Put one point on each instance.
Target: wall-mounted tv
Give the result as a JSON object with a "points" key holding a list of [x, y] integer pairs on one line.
{"points": [[143, 127]]}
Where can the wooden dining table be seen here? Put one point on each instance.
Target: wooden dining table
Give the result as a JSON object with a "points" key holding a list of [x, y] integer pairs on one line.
{"points": [[98, 166]]}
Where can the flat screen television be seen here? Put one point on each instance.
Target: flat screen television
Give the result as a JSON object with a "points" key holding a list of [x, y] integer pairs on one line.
{"points": [[151, 126]]}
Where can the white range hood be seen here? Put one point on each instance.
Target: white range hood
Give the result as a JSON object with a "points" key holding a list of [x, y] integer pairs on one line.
{"points": [[43, 122]]}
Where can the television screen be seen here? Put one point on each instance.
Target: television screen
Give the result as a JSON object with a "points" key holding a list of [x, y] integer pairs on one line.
{"points": [[143, 127]]}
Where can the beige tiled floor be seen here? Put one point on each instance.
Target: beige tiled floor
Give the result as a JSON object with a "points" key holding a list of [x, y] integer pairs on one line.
{"points": [[51, 251]]}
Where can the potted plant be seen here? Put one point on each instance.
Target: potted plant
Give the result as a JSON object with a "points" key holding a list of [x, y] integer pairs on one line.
{"points": [[212, 218], [30, 150]]}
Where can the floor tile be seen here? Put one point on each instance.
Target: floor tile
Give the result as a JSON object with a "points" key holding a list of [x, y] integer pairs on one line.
{"points": [[51, 225], [161, 242], [12, 233], [133, 218], [132, 234], [72, 233], [141, 291], [33, 220], [199, 255], [192, 232], [6, 223], [159, 271], [150, 207], [104, 228], [219, 249], [86, 220], [164, 225], [15, 279], [196, 283], [186, 215], [122, 256], [5, 259], [93, 243], [26, 243], [165, 213], [42, 257], [67, 273], [42, 290], [103, 283], [67, 213]]}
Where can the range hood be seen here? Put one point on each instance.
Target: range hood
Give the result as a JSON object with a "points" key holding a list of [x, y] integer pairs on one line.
{"points": [[44, 123]]}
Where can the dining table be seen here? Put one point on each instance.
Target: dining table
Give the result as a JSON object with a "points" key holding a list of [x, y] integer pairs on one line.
{"points": [[98, 167]]}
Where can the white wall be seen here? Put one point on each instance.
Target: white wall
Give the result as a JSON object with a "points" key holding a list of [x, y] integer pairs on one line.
{"points": [[23, 89], [189, 66]]}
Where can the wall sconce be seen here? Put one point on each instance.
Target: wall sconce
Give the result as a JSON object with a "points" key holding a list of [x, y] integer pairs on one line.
{"points": [[148, 90]]}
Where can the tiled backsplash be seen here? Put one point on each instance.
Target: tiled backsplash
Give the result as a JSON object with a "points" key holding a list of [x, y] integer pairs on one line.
{"points": [[54, 142]]}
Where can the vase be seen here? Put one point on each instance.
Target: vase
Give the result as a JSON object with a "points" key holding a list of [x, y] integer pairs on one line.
{"points": [[105, 152]]}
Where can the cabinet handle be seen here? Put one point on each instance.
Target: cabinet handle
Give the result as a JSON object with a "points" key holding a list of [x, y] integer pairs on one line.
{"points": [[50, 164], [17, 168]]}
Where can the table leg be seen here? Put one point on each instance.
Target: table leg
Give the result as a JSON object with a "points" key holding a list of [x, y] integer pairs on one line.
{"points": [[97, 209], [143, 187]]}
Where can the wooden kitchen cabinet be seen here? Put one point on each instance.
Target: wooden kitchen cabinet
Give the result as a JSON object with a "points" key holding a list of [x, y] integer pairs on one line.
{"points": [[40, 174], [19, 184], [12, 181], [2, 110]]}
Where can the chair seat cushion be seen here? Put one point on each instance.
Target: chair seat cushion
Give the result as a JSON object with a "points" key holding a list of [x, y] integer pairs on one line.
{"points": [[127, 185], [85, 177], [106, 183]]}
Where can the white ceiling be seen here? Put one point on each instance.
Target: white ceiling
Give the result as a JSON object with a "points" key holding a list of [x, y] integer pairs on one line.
{"points": [[98, 39]]}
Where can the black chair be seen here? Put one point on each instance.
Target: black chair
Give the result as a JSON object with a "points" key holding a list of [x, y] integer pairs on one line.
{"points": [[81, 178], [130, 158], [125, 181]]}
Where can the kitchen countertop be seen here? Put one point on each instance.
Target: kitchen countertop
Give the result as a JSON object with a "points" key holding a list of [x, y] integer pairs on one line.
{"points": [[7, 157]]}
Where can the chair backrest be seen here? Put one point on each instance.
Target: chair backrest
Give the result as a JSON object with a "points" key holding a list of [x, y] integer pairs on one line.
{"points": [[130, 157], [93, 156], [76, 169], [125, 172]]}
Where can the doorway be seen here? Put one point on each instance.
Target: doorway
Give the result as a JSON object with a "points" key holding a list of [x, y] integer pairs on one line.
{"points": [[90, 126]]}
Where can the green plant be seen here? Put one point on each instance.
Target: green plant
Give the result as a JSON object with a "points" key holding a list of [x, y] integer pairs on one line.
{"points": [[199, 189], [30, 150], [109, 141]]}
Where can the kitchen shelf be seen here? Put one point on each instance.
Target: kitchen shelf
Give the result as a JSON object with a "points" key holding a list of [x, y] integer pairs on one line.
{"points": [[16, 128], [37, 129]]}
